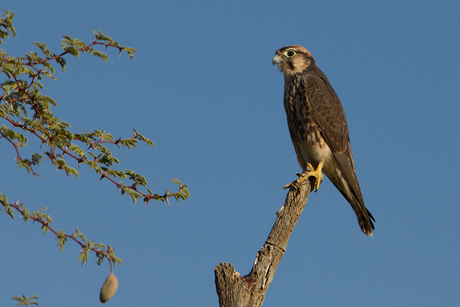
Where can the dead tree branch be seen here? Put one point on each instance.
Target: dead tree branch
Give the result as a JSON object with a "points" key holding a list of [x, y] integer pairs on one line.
{"points": [[234, 290]]}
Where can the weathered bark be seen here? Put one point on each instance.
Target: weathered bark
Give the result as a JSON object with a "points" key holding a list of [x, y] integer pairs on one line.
{"points": [[249, 291]]}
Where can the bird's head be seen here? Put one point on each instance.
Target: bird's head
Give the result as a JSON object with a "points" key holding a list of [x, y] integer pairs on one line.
{"points": [[293, 59]]}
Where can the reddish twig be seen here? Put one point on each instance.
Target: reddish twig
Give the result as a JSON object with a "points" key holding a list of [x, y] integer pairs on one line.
{"points": [[73, 237]]}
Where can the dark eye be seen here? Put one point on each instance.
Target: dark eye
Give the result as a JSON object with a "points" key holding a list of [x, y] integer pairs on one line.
{"points": [[290, 53]]}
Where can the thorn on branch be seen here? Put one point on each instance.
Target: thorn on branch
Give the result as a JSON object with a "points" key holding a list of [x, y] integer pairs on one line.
{"points": [[166, 198], [117, 142]]}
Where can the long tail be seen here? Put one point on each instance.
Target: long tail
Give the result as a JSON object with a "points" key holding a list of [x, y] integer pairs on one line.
{"points": [[347, 183], [364, 219]]}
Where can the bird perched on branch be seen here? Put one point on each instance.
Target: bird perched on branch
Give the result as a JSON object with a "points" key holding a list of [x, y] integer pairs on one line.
{"points": [[318, 128]]}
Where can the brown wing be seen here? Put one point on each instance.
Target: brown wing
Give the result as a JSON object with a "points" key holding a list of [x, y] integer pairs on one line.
{"points": [[329, 116], [327, 111]]}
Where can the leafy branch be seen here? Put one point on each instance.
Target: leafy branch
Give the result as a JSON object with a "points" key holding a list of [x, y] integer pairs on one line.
{"points": [[20, 95], [26, 301], [25, 109], [101, 250]]}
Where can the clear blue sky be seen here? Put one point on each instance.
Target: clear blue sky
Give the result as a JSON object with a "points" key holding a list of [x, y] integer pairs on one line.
{"points": [[203, 88]]}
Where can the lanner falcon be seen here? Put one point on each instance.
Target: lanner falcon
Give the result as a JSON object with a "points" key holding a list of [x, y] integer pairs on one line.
{"points": [[318, 128]]}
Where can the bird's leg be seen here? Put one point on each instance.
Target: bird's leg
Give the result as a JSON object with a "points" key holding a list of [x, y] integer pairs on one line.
{"points": [[314, 173], [311, 172]]}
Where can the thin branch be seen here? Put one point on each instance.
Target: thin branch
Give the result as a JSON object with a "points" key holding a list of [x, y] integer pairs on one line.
{"points": [[58, 234], [52, 157], [47, 59]]}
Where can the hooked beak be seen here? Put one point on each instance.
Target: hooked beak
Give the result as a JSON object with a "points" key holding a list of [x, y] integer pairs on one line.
{"points": [[276, 60]]}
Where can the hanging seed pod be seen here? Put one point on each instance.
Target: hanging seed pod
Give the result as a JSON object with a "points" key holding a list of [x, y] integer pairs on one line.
{"points": [[109, 288]]}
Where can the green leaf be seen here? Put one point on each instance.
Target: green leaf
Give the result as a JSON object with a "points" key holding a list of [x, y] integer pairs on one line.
{"points": [[10, 212], [130, 51], [72, 50], [32, 300], [48, 99], [62, 239], [100, 55], [83, 255]]}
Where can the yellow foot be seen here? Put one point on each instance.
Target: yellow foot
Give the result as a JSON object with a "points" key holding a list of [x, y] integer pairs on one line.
{"points": [[311, 173]]}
